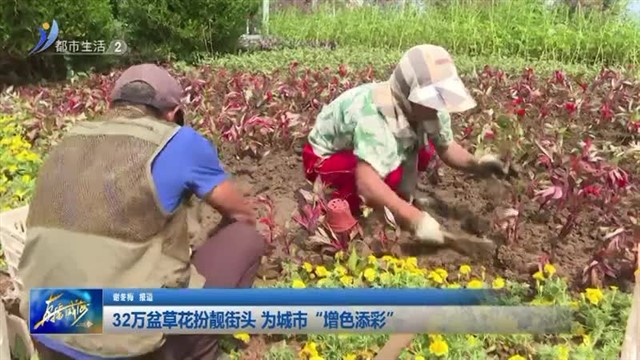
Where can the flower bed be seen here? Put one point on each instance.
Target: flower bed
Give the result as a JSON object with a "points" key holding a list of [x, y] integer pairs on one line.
{"points": [[575, 138], [597, 332], [19, 162]]}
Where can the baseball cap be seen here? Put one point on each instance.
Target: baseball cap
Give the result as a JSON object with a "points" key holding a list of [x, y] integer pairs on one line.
{"points": [[167, 89], [427, 76]]}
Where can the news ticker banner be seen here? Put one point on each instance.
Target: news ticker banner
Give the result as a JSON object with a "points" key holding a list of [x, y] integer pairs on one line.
{"points": [[287, 311]]}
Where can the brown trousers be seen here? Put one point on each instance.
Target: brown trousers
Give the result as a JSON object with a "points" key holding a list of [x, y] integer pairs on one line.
{"points": [[229, 259]]}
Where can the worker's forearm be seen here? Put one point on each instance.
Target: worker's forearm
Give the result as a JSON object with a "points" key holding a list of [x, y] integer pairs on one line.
{"points": [[240, 209], [229, 201], [378, 194], [457, 157]]}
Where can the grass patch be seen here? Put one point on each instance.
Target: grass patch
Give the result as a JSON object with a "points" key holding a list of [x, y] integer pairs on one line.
{"points": [[358, 57], [517, 28]]}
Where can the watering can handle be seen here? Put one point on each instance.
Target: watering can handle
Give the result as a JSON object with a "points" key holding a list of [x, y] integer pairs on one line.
{"points": [[394, 346]]}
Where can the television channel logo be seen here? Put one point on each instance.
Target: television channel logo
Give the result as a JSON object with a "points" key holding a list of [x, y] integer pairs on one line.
{"points": [[65, 311], [46, 40]]}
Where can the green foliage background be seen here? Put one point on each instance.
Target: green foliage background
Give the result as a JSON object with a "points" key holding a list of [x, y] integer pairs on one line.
{"points": [[153, 29]]}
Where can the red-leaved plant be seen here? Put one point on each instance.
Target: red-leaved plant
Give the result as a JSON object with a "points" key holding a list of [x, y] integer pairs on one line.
{"points": [[311, 216], [579, 182], [273, 231], [258, 112], [618, 255]]}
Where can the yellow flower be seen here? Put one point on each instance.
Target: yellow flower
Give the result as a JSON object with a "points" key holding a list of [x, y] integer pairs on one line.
{"points": [[498, 283], [369, 274], [298, 284], [435, 277], [586, 340], [310, 349], [340, 270], [372, 260], [26, 178], [389, 259], [563, 352], [12, 168], [346, 280], [539, 275], [367, 354], [578, 329], [307, 267], [420, 272], [321, 271], [412, 262], [442, 272], [517, 357], [349, 357], [472, 340], [419, 357], [438, 347], [339, 255], [549, 269], [464, 269], [541, 301], [33, 157], [398, 265], [475, 284], [594, 295], [574, 304], [454, 286], [316, 358], [244, 337]]}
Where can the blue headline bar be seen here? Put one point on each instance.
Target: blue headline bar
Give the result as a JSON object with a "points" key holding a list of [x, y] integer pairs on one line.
{"points": [[300, 297]]}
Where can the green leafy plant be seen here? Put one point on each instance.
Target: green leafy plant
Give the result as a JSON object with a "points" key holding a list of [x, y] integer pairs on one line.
{"points": [[185, 28]]}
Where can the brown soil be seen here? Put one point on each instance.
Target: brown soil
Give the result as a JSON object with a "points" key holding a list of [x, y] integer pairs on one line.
{"points": [[5, 283], [463, 205], [277, 176]]}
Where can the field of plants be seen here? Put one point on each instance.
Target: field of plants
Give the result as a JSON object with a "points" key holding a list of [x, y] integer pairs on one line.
{"points": [[566, 230], [515, 28], [566, 225]]}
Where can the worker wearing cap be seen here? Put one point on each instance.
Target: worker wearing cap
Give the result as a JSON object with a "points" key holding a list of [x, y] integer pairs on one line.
{"points": [[109, 211], [372, 140]]}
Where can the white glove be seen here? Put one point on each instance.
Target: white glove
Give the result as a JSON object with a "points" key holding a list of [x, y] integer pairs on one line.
{"points": [[428, 230], [490, 164]]}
